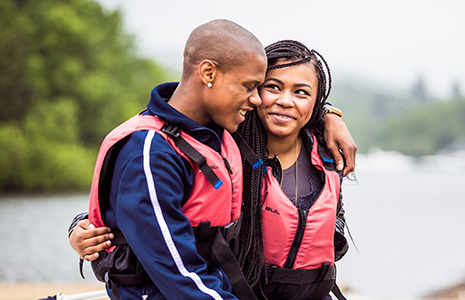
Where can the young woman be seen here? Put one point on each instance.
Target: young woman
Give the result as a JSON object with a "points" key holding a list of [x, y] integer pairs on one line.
{"points": [[289, 239], [293, 222]]}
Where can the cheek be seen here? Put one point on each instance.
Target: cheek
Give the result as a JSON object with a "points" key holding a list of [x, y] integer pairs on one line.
{"points": [[267, 99], [307, 110]]}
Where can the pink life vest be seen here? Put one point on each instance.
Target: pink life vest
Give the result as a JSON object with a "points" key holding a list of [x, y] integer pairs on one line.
{"points": [[205, 203], [281, 221]]}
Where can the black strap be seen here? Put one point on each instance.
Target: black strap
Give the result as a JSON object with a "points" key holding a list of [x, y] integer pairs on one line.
{"points": [[175, 133], [246, 151], [118, 238], [299, 276], [81, 267], [128, 279], [326, 157], [231, 267], [337, 292], [140, 276]]}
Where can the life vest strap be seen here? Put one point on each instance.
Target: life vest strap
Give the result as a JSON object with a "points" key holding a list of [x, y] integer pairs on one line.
{"points": [[326, 157], [175, 133], [119, 238], [212, 245], [250, 156], [337, 292], [299, 276], [231, 267]]}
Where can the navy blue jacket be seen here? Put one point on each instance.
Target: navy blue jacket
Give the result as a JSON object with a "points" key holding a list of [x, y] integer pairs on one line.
{"points": [[161, 236]]}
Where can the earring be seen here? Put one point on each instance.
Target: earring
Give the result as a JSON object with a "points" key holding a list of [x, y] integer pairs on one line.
{"points": [[209, 84]]}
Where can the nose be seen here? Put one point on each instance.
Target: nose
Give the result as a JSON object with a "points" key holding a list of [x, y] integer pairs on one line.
{"points": [[255, 99], [285, 99]]}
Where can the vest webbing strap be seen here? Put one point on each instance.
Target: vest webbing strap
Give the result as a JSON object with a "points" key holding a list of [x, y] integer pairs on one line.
{"points": [[337, 292], [246, 151], [175, 133], [301, 277], [325, 156], [231, 267], [125, 279]]}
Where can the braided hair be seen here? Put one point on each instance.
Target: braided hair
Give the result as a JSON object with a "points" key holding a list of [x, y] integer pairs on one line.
{"points": [[282, 54]]}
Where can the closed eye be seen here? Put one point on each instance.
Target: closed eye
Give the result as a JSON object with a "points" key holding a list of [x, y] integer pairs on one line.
{"points": [[272, 87]]}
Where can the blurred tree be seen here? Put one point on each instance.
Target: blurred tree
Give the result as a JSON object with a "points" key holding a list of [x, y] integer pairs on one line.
{"points": [[419, 91], [425, 130], [69, 74], [456, 91]]}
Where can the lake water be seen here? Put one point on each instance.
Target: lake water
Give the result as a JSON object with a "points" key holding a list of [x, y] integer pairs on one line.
{"points": [[405, 217]]}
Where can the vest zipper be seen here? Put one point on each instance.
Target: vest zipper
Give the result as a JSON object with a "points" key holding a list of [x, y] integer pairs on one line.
{"points": [[230, 172], [291, 257]]}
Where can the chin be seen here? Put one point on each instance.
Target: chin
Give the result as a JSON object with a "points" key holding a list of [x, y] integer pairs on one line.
{"points": [[231, 129]]}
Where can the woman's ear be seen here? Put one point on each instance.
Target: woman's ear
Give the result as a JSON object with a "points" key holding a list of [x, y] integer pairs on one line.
{"points": [[207, 72]]}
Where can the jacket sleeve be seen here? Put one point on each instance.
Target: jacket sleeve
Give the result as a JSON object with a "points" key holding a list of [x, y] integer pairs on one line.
{"points": [[148, 212], [77, 218], [341, 246]]}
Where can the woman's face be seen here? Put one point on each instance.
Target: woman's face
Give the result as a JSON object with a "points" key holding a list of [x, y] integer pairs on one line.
{"points": [[288, 97]]}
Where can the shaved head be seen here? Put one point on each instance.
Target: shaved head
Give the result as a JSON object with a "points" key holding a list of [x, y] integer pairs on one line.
{"points": [[224, 42]]}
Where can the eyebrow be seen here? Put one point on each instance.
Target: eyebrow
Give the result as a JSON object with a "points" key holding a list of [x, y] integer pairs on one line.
{"points": [[303, 85], [257, 83], [282, 83]]}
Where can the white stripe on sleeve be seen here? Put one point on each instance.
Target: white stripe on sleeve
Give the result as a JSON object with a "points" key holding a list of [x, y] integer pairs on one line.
{"points": [[164, 227]]}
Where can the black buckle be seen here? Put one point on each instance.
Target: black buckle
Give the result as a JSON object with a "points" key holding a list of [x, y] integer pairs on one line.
{"points": [[172, 130], [229, 231]]}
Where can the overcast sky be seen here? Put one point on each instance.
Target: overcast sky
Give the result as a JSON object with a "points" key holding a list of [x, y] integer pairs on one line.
{"points": [[391, 42]]}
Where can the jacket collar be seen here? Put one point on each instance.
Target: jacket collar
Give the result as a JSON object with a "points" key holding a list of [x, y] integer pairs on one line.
{"points": [[211, 135]]}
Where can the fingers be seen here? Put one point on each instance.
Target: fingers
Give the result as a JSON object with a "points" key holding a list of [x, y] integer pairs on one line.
{"points": [[349, 153], [86, 224], [86, 229], [87, 242], [340, 143], [91, 257], [334, 150]]}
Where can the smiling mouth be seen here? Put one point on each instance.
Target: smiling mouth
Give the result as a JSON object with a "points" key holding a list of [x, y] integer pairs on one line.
{"points": [[282, 116], [243, 112]]}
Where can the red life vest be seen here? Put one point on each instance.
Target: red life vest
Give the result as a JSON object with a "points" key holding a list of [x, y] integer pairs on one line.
{"points": [[205, 203], [209, 207], [281, 222]]}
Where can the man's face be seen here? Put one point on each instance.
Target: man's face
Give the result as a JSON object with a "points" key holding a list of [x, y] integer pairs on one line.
{"points": [[236, 92]]}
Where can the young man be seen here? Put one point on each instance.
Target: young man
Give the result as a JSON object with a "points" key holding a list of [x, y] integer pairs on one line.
{"points": [[157, 192]]}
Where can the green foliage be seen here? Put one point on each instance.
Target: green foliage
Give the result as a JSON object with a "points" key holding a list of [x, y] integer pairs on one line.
{"points": [[69, 75], [424, 130], [366, 110], [399, 122], [13, 157]]}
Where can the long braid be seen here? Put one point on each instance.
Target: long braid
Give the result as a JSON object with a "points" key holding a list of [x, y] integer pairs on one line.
{"points": [[251, 250], [251, 247]]}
